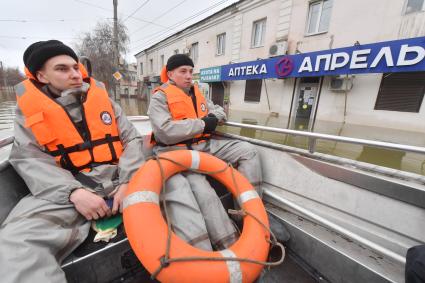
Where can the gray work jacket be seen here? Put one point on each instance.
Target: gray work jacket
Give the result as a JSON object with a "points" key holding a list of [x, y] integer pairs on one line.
{"points": [[168, 131], [46, 180]]}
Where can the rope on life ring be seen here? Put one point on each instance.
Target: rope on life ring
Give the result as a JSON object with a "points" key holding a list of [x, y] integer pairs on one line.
{"points": [[169, 258]]}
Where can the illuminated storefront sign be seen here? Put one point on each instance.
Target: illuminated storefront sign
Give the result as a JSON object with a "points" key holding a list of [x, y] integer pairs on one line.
{"points": [[406, 55]]}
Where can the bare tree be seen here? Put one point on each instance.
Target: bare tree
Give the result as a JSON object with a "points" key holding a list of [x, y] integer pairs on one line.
{"points": [[10, 76], [97, 45]]}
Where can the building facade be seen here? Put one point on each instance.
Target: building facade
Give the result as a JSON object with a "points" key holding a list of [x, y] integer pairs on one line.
{"points": [[128, 83], [264, 31]]}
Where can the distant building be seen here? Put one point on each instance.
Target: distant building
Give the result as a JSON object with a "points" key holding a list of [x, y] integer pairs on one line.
{"points": [[252, 55], [128, 83]]}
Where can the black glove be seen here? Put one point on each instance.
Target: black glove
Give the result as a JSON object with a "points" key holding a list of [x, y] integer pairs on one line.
{"points": [[210, 123]]}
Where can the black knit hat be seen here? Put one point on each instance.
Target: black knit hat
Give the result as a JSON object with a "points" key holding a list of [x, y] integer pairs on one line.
{"points": [[178, 60], [39, 52]]}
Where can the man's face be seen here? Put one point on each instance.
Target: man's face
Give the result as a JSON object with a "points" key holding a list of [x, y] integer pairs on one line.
{"points": [[182, 76], [61, 73]]}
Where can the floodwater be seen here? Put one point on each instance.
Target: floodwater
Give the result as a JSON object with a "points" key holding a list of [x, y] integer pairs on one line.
{"points": [[405, 161]]}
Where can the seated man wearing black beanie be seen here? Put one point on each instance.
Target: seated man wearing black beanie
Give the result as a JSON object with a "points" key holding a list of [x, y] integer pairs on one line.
{"points": [[182, 118], [74, 148]]}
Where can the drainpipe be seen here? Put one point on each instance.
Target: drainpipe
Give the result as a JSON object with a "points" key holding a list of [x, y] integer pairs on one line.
{"points": [[345, 101], [267, 95]]}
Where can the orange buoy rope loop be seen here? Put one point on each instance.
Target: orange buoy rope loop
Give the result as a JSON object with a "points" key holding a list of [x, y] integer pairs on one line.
{"points": [[227, 255], [165, 261]]}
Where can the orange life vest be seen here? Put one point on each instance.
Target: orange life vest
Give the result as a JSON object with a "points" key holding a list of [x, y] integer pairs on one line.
{"points": [[51, 124], [181, 106]]}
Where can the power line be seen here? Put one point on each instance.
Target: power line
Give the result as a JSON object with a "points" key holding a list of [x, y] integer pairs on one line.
{"points": [[135, 11], [160, 16], [35, 37], [110, 10], [44, 20], [176, 25], [90, 4], [149, 37]]}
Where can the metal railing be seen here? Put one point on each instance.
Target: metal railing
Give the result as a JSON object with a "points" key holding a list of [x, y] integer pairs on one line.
{"points": [[6, 141], [313, 137]]}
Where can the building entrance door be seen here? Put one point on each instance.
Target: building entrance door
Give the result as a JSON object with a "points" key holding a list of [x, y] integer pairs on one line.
{"points": [[217, 93], [305, 103]]}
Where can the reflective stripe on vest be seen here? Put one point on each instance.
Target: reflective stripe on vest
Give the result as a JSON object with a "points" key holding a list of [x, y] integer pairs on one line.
{"points": [[53, 128], [181, 105]]}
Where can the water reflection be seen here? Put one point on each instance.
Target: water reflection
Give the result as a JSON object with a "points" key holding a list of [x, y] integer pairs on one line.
{"points": [[410, 162], [382, 156], [133, 106], [7, 109]]}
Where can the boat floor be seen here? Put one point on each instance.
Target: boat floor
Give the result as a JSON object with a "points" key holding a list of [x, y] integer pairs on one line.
{"points": [[290, 271]]}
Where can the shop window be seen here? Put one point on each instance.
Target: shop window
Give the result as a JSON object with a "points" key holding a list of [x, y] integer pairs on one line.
{"points": [[319, 15], [402, 92], [258, 33], [414, 6], [221, 43], [253, 90], [194, 52]]}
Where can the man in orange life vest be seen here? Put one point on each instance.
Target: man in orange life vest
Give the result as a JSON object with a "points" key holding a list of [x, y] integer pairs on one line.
{"points": [[182, 118], [74, 148]]}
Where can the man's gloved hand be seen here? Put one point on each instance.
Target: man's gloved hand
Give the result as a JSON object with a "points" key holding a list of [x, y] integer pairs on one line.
{"points": [[210, 123], [220, 122]]}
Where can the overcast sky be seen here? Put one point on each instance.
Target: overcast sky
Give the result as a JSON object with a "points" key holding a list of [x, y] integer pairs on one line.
{"points": [[23, 22]]}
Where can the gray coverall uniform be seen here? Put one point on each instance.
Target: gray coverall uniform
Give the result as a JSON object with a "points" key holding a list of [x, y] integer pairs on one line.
{"points": [[44, 227], [218, 226]]}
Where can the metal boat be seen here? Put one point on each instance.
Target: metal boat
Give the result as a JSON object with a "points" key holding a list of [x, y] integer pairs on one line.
{"points": [[340, 220]]}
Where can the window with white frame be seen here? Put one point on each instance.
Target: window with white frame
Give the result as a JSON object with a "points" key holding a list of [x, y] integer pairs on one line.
{"points": [[151, 65], [258, 33], [414, 6], [141, 68], [319, 16], [194, 52], [162, 62], [221, 43]]}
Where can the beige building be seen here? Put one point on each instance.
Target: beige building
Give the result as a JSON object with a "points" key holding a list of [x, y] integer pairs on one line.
{"points": [[253, 30], [128, 82]]}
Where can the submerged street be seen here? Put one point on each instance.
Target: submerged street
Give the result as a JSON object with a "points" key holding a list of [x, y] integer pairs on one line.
{"points": [[410, 162]]}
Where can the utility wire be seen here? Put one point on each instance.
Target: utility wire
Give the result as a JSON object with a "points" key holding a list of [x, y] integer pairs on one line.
{"points": [[160, 16], [176, 25], [35, 37], [149, 38], [135, 11], [110, 10], [96, 6], [45, 20]]}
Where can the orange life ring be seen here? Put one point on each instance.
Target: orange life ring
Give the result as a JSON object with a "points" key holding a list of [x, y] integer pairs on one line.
{"points": [[147, 230]]}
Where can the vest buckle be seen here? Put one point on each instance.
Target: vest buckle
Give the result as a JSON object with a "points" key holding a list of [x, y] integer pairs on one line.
{"points": [[85, 145]]}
